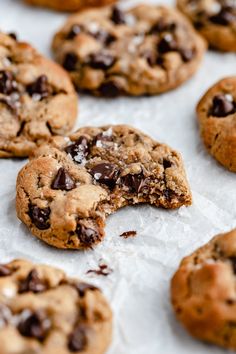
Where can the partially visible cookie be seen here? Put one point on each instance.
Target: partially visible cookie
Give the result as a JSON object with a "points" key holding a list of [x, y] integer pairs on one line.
{"points": [[204, 294], [66, 192], [146, 50], [214, 19], [37, 99], [70, 5], [217, 118], [44, 312]]}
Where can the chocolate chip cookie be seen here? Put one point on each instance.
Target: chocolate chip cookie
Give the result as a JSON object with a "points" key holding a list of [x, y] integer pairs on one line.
{"points": [[146, 50], [69, 5], [66, 191], [204, 294], [217, 118], [37, 99], [43, 311], [214, 19]]}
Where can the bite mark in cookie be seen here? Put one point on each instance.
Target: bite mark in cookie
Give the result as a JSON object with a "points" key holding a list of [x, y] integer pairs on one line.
{"points": [[65, 193]]}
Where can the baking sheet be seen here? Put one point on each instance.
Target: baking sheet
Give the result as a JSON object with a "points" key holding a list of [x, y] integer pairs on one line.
{"points": [[138, 287]]}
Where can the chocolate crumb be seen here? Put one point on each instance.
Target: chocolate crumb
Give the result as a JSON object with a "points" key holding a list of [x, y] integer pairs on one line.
{"points": [[102, 270], [128, 234]]}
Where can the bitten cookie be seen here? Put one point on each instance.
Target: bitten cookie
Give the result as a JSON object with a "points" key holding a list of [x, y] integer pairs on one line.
{"points": [[65, 193], [43, 311], [37, 99], [146, 50], [214, 19], [217, 118], [203, 291], [69, 5]]}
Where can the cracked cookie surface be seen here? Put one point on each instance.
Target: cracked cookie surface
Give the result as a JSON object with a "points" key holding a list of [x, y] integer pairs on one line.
{"points": [[65, 193], [37, 99], [217, 119], [69, 5], [214, 19], [44, 312], [204, 294], [146, 50]]}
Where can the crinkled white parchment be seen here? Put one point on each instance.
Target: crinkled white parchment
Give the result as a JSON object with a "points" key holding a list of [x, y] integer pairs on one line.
{"points": [[138, 288]]}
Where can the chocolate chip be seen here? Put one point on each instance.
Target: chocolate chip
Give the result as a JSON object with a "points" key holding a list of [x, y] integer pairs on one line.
{"points": [[104, 37], [105, 173], [187, 54], [78, 340], [103, 137], [117, 16], [32, 283], [70, 61], [63, 181], [135, 183], [40, 217], [167, 44], [35, 325], [223, 18], [74, 31], [82, 288], [78, 150], [168, 193], [6, 82], [151, 57], [110, 89], [86, 235], [40, 87], [13, 35], [222, 107], [166, 163], [163, 26], [233, 262], [5, 271], [101, 61]]}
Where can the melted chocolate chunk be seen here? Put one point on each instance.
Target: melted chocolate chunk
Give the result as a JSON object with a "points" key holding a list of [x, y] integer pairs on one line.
{"points": [[7, 83], [74, 31], [32, 283], [221, 107], [70, 61], [110, 89], [167, 44], [135, 183], [118, 16], [166, 163], [35, 325], [105, 173], [5, 271], [40, 87], [87, 236], [224, 17], [101, 61], [78, 340], [82, 288], [40, 217], [63, 181], [78, 150]]}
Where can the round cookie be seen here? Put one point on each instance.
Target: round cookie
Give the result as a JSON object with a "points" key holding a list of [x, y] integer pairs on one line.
{"points": [[37, 99], [146, 50], [66, 192], [203, 291], [69, 5], [214, 19], [217, 119], [43, 311]]}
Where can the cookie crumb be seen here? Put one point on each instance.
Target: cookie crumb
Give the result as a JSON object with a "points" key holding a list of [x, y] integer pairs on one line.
{"points": [[103, 269], [128, 234]]}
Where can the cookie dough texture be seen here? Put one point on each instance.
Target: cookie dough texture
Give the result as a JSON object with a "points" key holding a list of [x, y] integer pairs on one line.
{"points": [[146, 50], [217, 119], [37, 99], [70, 5], [44, 312], [214, 19], [66, 192], [203, 291]]}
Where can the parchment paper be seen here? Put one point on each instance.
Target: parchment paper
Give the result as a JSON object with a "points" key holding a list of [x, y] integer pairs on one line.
{"points": [[138, 287]]}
